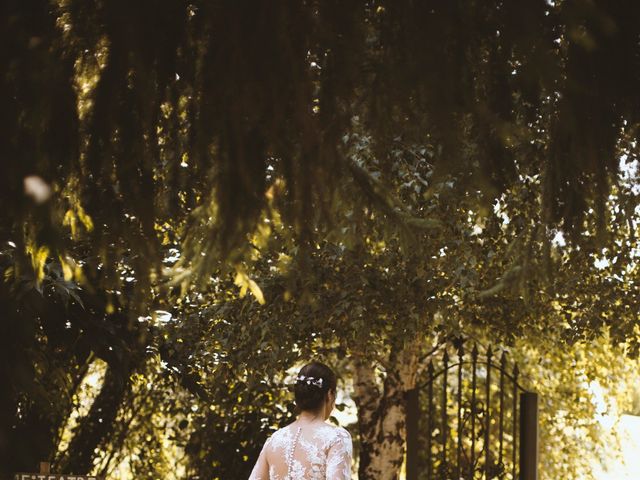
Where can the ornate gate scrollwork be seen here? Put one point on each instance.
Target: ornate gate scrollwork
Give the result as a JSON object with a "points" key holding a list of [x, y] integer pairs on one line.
{"points": [[471, 419]]}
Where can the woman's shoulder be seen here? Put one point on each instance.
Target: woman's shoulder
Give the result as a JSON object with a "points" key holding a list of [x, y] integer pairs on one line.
{"points": [[339, 440], [325, 431], [282, 432], [334, 433], [342, 434], [340, 431]]}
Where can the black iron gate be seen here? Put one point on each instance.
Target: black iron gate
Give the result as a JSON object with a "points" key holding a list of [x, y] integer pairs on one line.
{"points": [[470, 419]]}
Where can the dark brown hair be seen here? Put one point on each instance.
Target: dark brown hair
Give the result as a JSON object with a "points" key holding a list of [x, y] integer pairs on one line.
{"points": [[309, 394]]}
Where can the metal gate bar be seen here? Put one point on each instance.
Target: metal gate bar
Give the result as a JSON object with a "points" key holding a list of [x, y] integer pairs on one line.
{"points": [[477, 450]]}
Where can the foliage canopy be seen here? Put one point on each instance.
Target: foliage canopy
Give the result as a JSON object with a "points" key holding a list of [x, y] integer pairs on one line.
{"points": [[139, 112]]}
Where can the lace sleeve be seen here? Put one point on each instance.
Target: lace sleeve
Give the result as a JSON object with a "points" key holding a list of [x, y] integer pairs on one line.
{"points": [[339, 458], [261, 469]]}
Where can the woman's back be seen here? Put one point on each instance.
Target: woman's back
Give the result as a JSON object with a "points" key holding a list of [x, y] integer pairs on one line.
{"points": [[305, 451]]}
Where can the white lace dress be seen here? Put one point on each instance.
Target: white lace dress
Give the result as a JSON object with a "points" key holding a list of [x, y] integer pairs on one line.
{"points": [[316, 451]]}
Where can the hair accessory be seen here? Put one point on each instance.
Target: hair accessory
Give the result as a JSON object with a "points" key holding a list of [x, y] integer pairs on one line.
{"points": [[316, 382]]}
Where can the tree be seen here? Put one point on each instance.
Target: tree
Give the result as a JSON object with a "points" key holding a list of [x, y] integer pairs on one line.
{"points": [[366, 144], [500, 273], [359, 301]]}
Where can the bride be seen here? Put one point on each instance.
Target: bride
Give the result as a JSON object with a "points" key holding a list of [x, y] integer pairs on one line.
{"points": [[309, 448]]}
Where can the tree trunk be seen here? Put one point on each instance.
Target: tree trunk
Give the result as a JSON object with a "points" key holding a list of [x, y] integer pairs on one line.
{"points": [[381, 415], [96, 427]]}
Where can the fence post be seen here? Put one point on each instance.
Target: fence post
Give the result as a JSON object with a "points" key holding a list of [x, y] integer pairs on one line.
{"points": [[412, 421], [45, 467], [528, 436]]}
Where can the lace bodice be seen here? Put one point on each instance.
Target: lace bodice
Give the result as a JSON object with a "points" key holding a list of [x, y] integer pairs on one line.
{"points": [[322, 452]]}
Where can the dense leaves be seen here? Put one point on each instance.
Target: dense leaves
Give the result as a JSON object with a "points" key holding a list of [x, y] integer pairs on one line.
{"points": [[144, 111]]}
